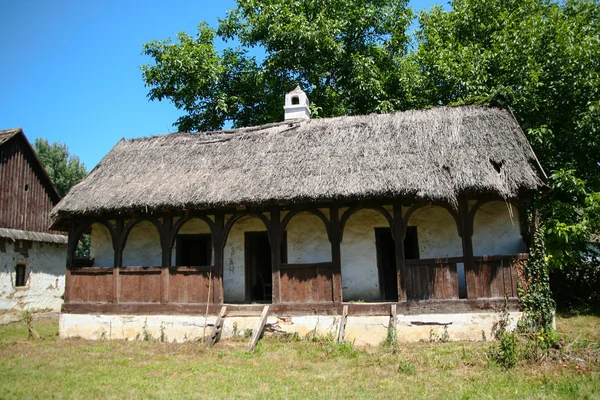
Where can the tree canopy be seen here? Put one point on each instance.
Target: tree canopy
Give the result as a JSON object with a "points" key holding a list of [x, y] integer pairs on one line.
{"points": [[65, 169], [539, 58]]}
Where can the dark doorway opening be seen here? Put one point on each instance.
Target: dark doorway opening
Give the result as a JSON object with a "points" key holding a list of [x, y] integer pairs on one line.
{"points": [[411, 244], [194, 250], [386, 264], [259, 281], [386, 259]]}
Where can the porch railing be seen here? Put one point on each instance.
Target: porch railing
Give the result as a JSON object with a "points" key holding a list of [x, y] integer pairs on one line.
{"points": [[426, 279]]}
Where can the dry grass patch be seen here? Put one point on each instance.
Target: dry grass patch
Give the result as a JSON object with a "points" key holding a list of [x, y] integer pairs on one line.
{"points": [[286, 368]]}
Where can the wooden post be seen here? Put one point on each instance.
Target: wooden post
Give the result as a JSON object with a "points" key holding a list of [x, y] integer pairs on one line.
{"points": [[165, 241], [215, 334], [71, 246], [399, 233], [342, 327], [259, 328], [467, 244], [218, 246], [336, 253], [118, 249], [275, 254]]}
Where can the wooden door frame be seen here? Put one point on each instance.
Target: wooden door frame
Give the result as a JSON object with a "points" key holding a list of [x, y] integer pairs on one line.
{"points": [[247, 259], [378, 232]]}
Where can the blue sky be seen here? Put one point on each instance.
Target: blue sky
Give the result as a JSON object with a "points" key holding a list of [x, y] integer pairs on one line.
{"points": [[69, 71]]}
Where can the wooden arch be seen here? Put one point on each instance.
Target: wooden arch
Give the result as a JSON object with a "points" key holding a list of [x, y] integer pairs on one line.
{"points": [[133, 222], [314, 211], [411, 210], [349, 212], [233, 219], [180, 222]]}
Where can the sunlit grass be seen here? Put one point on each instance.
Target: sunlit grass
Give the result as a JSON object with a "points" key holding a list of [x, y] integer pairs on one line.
{"points": [[287, 368]]}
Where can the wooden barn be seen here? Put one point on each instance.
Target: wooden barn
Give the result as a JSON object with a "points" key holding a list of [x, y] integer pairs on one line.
{"points": [[413, 220], [32, 258]]}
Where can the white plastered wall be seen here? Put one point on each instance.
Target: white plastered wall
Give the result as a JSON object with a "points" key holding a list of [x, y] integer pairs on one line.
{"points": [[437, 233], [45, 271], [234, 278], [143, 246], [360, 277], [101, 249], [307, 239], [497, 230]]}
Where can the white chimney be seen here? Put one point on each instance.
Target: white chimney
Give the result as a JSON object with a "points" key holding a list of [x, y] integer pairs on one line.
{"points": [[296, 105]]}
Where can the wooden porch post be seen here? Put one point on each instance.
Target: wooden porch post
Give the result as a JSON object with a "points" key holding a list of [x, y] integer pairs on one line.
{"points": [[218, 246], [118, 262], [466, 224], [336, 253], [275, 238], [165, 241], [71, 246], [399, 233]]}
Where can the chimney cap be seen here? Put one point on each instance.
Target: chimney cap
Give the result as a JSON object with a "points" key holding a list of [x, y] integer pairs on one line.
{"points": [[296, 105]]}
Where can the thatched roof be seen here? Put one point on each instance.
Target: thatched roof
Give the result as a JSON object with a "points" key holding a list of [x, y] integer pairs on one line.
{"points": [[433, 154], [16, 234]]}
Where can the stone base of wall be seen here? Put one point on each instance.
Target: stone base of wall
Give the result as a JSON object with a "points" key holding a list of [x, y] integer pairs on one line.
{"points": [[360, 330]]}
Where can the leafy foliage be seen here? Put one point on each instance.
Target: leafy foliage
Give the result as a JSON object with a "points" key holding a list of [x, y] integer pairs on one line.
{"points": [[65, 170], [344, 53]]}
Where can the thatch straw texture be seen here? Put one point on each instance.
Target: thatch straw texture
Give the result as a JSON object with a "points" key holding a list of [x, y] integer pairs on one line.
{"points": [[434, 154], [16, 234]]}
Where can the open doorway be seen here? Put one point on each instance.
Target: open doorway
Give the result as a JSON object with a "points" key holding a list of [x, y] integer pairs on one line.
{"points": [[386, 264], [259, 282], [386, 259]]}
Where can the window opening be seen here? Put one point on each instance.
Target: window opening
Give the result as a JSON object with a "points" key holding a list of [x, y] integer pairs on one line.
{"points": [[194, 250], [20, 270], [295, 100]]}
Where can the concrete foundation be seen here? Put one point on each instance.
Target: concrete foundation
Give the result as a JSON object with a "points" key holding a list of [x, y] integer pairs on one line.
{"points": [[360, 330]]}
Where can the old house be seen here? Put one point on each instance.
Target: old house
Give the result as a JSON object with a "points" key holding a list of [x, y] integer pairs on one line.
{"points": [[32, 257], [413, 220]]}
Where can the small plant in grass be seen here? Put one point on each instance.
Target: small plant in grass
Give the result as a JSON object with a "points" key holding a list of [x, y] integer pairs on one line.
{"points": [[445, 337], [247, 333], [235, 332], [28, 319], [146, 335], [406, 367], [505, 352], [162, 335], [390, 338]]}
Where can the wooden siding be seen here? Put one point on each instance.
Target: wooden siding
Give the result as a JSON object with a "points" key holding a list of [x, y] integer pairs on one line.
{"points": [[19, 209], [432, 279], [89, 285], [189, 285], [306, 282]]}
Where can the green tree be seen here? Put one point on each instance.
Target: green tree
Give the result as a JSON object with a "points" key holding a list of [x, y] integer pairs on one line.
{"points": [[541, 59], [346, 54], [65, 170]]}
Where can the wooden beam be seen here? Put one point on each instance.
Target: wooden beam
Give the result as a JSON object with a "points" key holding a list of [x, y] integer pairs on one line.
{"points": [[393, 321], [467, 245], [342, 327], [259, 328], [165, 242], [275, 239], [218, 236], [215, 334], [399, 233], [336, 253], [118, 249]]}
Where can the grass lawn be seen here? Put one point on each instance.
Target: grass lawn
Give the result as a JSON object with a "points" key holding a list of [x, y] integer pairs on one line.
{"points": [[289, 368]]}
